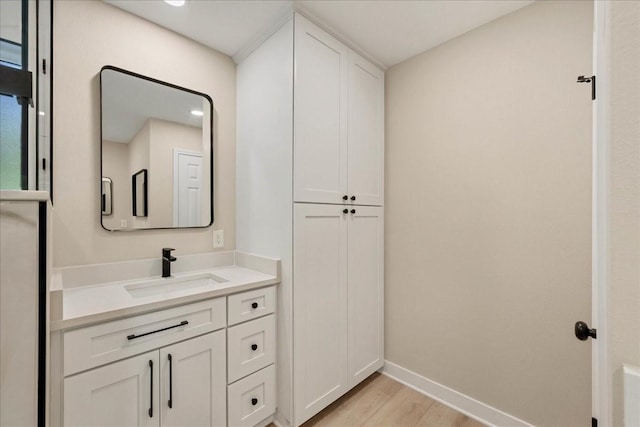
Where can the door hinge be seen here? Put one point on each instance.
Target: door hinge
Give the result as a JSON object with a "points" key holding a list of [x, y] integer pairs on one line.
{"points": [[44, 66], [592, 80], [44, 164], [594, 422]]}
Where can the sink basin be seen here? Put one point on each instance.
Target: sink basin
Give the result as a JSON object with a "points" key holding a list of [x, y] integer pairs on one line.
{"points": [[168, 285]]}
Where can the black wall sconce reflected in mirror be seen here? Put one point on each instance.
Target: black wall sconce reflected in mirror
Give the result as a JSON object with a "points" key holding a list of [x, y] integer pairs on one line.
{"points": [[139, 191], [107, 189]]}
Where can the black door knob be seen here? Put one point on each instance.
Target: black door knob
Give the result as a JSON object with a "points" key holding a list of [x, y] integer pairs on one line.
{"points": [[254, 401], [254, 347], [353, 198], [346, 211], [353, 211], [583, 332], [254, 305], [345, 197]]}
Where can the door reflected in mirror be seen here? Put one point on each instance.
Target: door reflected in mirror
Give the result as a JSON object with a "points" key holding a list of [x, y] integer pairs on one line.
{"points": [[157, 150]]}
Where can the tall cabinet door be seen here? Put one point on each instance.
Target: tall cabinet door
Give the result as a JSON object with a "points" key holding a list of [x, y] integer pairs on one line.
{"points": [[320, 307], [320, 115], [365, 292], [193, 389], [365, 132], [124, 393]]}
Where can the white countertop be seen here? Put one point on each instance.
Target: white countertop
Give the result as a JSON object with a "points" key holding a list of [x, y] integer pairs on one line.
{"points": [[84, 305]]}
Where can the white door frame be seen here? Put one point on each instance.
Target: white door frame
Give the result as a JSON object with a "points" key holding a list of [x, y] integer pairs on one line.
{"points": [[601, 378], [176, 179]]}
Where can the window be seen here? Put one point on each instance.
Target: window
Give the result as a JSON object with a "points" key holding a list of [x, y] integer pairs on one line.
{"points": [[23, 146]]}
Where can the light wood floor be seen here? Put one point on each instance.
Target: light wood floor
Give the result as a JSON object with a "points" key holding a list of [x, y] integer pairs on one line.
{"points": [[380, 401]]}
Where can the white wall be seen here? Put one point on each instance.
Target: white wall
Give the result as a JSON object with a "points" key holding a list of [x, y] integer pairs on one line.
{"points": [[623, 27], [488, 213], [87, 36]]}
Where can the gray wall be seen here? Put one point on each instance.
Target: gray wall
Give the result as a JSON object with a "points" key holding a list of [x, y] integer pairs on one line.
{"points": [[488, 213], [623, 25]]}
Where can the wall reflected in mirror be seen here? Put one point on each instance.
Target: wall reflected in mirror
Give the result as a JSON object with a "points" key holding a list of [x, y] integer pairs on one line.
{"points": [[156, 149]]}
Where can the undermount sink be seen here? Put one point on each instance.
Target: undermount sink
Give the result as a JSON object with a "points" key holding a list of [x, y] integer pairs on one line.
{"points": [[167, 285]]}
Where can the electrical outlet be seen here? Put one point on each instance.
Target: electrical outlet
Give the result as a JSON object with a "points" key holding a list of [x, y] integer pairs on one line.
{"points": [[123, 223], [218, 238]]}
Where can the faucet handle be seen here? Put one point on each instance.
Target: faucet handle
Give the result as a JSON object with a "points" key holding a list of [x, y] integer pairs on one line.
{"points": [[166, 252]]}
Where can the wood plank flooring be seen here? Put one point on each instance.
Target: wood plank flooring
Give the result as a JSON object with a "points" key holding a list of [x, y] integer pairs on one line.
{"points": [[380, 401]]}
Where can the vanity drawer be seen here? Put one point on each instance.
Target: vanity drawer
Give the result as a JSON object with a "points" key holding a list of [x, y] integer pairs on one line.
{"points": [[107, 342], [251, 346], [252, 399], [252, 304]]}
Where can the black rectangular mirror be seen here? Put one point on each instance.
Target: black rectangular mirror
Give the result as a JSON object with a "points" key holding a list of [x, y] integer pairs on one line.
{"points": [[157, 150]]}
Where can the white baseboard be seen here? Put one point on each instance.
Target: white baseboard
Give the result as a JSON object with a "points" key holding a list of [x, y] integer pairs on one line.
{"points": [[455, 400]]}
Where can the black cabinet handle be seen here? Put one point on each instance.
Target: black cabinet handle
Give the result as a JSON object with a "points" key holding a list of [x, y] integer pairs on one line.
{"points": [[346, 211], [254, 401], [134, 336], [170, 381], [345, 197], [353, 211], [353, 198], [254, 305], [151, 391], [254, 347]]}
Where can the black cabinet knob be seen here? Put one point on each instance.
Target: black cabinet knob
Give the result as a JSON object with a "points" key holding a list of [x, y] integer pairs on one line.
{"points": [[254, 347], [254, 305], [254, 401], [353, 211], [353, 198], [345, 197], [346, 211]]}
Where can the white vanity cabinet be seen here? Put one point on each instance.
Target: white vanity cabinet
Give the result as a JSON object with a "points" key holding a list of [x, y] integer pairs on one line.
{"points": [[122, 394], [169, 367], [179, 385], [338, 121]]}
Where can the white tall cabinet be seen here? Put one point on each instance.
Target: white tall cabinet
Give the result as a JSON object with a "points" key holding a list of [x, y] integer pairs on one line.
{"points": [[310, 191]]}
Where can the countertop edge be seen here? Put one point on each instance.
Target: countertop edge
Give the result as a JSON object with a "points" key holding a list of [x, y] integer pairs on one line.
{"points": [[105, 316]]}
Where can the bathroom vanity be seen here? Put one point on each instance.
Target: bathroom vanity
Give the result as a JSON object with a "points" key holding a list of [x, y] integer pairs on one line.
{"points": [[196, 348]]}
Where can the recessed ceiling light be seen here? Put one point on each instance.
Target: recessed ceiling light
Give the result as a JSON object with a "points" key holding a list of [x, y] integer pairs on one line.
{"points": [[197, 113], [175, 2]]}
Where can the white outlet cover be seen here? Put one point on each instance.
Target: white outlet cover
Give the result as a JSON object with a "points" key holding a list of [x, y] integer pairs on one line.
{"points": [[218, 238]]}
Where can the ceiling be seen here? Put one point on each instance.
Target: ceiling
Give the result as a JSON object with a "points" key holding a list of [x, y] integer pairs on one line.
{"points": [[128, 102], [386, 31]]}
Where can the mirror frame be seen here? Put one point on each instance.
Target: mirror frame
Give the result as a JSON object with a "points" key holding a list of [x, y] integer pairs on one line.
{"points": [[211, 157]]}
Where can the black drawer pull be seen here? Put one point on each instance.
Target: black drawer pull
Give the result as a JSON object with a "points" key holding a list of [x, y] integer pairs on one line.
{"points": [[254, 347], [254, 305], [134, 336], [170, 402], [151, 391], [254, 401]]}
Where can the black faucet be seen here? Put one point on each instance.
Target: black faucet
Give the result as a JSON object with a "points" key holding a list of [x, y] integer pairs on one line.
{"points": [[167, 259]]}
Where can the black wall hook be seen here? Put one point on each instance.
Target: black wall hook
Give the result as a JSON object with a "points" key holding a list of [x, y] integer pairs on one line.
{"points": [[592, 80]]}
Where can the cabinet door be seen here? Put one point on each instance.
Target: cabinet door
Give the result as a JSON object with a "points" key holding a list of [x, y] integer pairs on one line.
{"points": [[124, 393], [320, 307], [320, 116], [365, 292], [366, 132], [193, 390]]}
